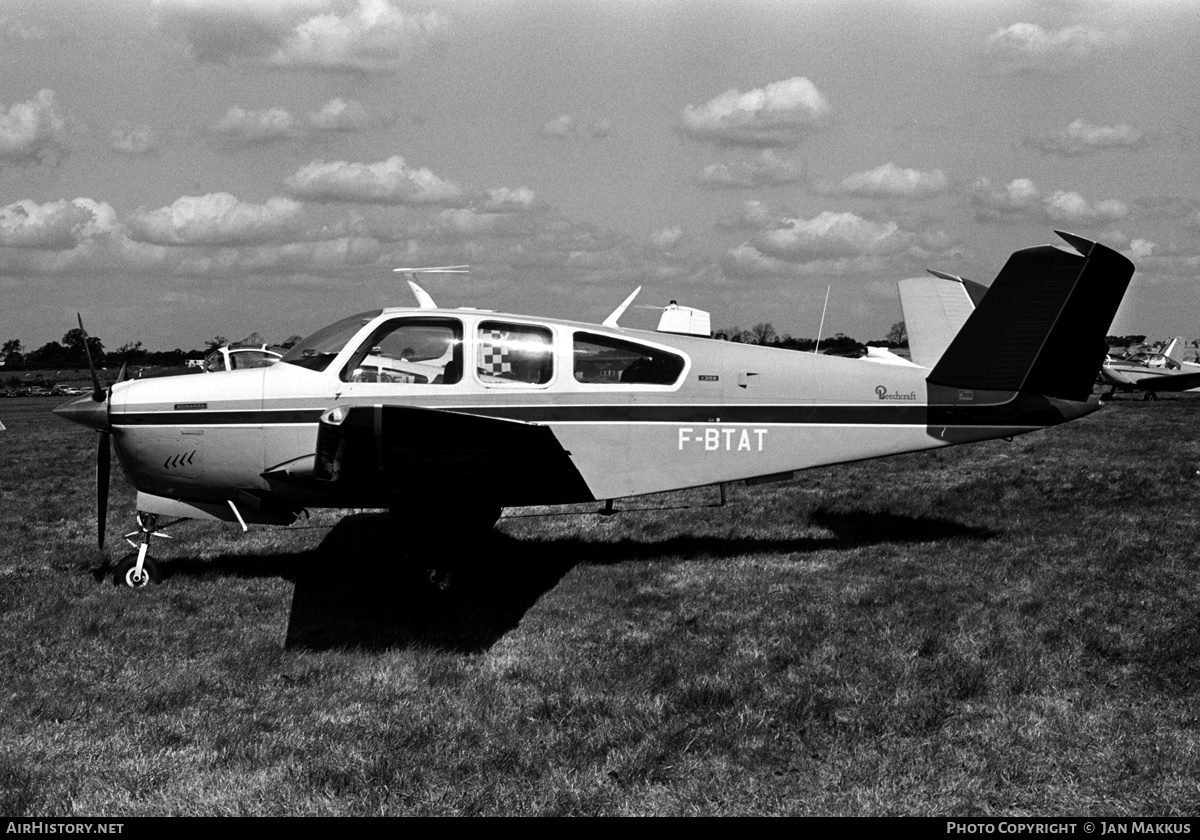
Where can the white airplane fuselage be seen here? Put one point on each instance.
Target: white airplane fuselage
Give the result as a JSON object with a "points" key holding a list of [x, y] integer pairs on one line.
{"points": [[734, 412]]}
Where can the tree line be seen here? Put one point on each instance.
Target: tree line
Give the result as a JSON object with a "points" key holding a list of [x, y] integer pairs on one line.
{"points": [[765, 334], [72, 352]]}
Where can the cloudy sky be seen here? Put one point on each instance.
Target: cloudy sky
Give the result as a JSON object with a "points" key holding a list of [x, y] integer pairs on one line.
{"points": [[179, 169]]}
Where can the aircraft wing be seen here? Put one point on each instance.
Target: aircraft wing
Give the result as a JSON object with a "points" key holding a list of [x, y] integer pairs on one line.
{"points": [[411, 452], [1174, 382]]}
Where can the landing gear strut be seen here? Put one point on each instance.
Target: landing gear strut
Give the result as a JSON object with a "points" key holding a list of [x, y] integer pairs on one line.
{"points": [[139, 569]]}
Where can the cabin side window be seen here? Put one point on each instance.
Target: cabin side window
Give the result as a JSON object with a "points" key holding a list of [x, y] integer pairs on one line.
{"points": [[603, 360], [516, 354], [414, 351]]}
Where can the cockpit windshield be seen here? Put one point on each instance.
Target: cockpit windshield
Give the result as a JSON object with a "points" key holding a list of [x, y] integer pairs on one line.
{"points": [[319, 349]]}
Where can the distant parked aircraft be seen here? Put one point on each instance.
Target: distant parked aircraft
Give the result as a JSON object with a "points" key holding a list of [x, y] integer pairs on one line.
{"points": [[1151, 372]]}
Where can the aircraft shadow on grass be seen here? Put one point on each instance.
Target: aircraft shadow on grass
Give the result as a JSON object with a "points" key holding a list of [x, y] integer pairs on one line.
{"points": [[356, 590]]}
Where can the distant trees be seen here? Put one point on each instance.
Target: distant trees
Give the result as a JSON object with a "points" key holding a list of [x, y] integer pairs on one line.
{"points": [[52, 355], [764, 333], [130, 353], [898, 335], [69, 353], [79, 344], [13, 353]]}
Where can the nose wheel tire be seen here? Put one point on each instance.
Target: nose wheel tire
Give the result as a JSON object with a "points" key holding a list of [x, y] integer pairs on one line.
{"points": [[124, 573]]}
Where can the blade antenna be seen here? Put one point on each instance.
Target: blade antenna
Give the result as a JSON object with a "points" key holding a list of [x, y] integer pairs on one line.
{"points": [[424, 300], [611, 320]]}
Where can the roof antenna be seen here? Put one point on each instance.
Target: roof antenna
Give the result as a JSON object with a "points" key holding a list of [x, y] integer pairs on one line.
{"points": [[821, 328], [611, 320], [424, 301]]}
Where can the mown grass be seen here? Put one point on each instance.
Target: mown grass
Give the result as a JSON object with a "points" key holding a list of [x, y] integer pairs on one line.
{"points": [[1011, 628]]}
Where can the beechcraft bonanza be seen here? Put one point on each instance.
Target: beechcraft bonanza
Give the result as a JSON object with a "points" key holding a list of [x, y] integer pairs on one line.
{"points": [[1150, 372], [446, 416]]}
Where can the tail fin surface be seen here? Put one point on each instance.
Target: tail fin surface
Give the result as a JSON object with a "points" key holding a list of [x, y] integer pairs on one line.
{"points": [[1041, 326], [1174, 350], [935, 309]]}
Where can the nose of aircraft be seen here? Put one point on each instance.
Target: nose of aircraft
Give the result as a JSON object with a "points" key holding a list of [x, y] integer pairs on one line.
{"points": [[86, 412]]}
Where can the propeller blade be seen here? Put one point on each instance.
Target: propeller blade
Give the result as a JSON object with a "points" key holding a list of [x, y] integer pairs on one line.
{"points": [[97, 391], [103, 466], [121, 373]]}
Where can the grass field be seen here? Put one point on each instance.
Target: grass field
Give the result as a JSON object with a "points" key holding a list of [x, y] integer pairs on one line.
{"points": [[1011, 628]]}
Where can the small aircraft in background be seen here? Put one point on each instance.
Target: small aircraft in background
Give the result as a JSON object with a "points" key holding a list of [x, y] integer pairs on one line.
{"points": [[240, 356], [447, 416], [1150, 372]]}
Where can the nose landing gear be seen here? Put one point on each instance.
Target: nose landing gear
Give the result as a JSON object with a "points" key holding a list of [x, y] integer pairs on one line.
{"points": [[139, 569]]}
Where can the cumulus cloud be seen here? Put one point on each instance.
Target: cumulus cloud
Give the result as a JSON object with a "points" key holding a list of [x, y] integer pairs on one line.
{"points": [[391, 181], [134, 140], [1021, 199], [666, 238], [375, 35], [55, 225], [779, 114], [324, 35], [263, 125], [503, 198], [1083, 138], [34, 130], [767, 169], [831, 235], [1064, 206], [1140, 249], [240, 126], [747, 262], [340, 115], [216, 219], [1027, 46], [891, 181]]}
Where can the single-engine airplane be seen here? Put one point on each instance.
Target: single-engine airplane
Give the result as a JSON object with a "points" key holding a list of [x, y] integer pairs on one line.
{"points": [[446, 416], [1151, 372]]}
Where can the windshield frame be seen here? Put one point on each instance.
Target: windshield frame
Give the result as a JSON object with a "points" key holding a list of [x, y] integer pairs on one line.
{"points": [[317, 351]]}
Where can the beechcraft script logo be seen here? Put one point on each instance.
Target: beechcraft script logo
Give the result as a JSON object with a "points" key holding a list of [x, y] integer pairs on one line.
{"points": [[882, 393]]}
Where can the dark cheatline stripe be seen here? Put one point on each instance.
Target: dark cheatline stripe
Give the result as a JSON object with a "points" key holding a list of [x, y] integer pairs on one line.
{"points": [[889, 414], [216, 418]]}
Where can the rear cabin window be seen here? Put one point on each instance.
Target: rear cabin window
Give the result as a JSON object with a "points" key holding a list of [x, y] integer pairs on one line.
{"points": [[513, 354], [602, 360], [412, 351]]}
